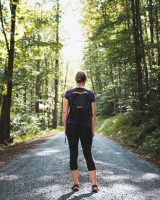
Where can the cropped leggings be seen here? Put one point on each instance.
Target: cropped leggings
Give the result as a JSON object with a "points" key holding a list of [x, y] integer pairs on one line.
{"points": [[84, 133]]}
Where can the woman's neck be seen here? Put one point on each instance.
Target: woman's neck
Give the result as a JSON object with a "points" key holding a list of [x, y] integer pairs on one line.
{"points": [[80, 85]]}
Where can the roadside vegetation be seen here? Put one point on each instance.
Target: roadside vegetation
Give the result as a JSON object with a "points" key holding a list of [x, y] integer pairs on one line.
{"points": [[24, 138], [126, 129]]}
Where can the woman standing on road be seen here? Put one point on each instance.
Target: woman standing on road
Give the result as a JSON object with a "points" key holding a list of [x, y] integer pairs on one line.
{"points": [[79, 118]]}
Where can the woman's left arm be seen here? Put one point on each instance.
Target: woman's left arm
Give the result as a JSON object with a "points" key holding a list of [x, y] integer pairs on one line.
{"points": [[65, 113]]}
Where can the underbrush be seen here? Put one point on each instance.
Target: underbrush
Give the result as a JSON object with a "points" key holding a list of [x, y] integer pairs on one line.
{"points": [[30, 136], [128, 129], [20, 138], [25, 127]]}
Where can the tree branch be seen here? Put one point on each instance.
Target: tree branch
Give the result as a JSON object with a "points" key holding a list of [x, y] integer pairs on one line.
{"points": [[3, 29]]}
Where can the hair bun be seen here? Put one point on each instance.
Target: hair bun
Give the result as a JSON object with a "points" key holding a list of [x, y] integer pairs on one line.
{"points": [[80, 77]]}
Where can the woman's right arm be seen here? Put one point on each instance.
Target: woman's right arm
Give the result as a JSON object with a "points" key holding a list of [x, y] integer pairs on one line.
{"points": [[65, 113], [93, 104]]}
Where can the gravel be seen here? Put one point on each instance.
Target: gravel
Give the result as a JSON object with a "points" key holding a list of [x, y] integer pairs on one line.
{"points": [[43, 173]]}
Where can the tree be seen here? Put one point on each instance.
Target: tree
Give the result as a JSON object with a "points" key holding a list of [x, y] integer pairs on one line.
{"points": [[138, 51], [56, 78], [6, 98], [36, 48], [123, 43]]}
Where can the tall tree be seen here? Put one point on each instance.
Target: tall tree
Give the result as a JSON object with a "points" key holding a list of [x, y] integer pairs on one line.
{"points": [[138, 51], [56, 78], [8, 77], [123, 42]]}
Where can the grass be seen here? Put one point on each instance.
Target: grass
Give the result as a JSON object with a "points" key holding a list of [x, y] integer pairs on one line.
{"points": [[106, 125], [127, 129], [31, 136]]}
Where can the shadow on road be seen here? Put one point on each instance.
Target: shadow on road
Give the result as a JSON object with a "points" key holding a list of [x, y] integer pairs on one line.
{"points": [[65, 196], [78, 197]]}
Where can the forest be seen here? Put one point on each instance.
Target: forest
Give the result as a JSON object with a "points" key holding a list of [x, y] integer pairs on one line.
{"points": [[121, 58]]}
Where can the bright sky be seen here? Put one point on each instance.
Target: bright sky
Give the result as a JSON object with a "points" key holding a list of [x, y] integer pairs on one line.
{"points": [[71, 29], [71, 32]]}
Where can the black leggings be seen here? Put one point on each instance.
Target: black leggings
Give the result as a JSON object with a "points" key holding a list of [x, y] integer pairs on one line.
{"points": [[84, 133]]}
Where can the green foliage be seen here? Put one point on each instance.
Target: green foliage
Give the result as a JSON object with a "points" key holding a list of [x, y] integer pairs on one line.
{"points": [[118, 124], [30, 136], [115, 74], [105, 105], [128, 119], [106, 126], [36, 51], [151, 143], [128, 129], [110, 55], [24, 123]]}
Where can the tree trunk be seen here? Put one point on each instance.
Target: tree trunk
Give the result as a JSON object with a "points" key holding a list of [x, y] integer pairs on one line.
{"points": [[32, 106], [46, 79], [128, 14], [25, 98], [92, 82], [37, 87], [63, 89], [91, 74], [56, 79], [138, 55], [148, 52], [157, 35], [142, 48], [151, 21], [47, 110], [6, 98], [114, 91], [98, 74], [158, 47]]}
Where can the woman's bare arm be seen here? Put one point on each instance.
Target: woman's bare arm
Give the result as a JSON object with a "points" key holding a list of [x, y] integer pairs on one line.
{"points": [[65, 113], [93, 104]]}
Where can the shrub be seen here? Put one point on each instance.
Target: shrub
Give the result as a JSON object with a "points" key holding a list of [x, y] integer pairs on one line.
{"points": [[131, 131], [23, 124]]}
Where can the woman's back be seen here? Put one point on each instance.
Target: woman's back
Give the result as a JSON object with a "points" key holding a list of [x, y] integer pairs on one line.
{"points": [[70, 95]]}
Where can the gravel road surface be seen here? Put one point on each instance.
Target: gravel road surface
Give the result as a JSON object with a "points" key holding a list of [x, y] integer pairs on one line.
{"points": [[43, 173]]}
